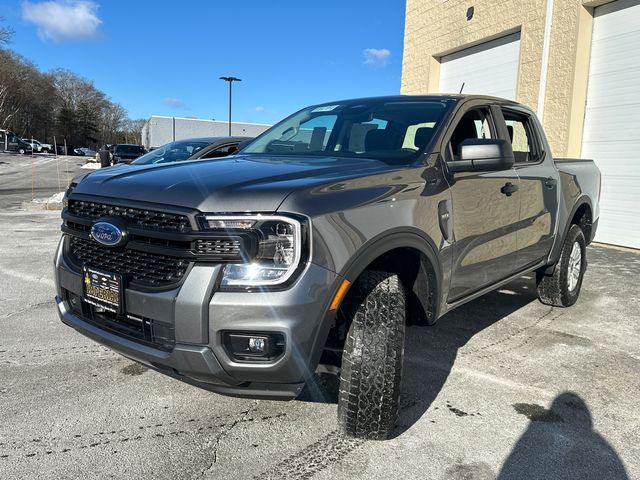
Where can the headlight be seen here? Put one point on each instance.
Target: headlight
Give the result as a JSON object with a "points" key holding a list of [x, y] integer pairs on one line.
{"points": [[65, 197], [282, 245]]}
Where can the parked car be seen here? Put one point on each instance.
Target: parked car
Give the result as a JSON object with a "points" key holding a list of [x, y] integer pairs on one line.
{"points": [[317, 243], [85, 151], [37, 146], [192, 149], [16, 144], [126, 153]]}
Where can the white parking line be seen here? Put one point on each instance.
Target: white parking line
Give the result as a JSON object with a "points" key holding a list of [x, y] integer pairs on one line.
{"points": [[40, 161]]}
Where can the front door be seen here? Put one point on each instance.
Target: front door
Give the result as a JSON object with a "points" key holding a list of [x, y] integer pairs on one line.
{"points": [[485, 214]]}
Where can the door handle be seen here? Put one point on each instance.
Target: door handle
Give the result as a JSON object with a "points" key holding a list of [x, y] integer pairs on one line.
{"points": [[509, 188], [550, 182]]}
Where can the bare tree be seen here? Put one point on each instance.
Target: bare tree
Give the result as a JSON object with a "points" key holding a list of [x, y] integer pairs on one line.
{"points": [[60, 103], [6, 33]]}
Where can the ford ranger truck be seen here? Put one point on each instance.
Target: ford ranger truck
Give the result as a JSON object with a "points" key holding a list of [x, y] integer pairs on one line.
{"points": [[315, 245]]}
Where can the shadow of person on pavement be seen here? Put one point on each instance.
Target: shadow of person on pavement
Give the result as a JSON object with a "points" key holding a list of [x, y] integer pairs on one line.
{"points": [[430, 352], [561, 443]]}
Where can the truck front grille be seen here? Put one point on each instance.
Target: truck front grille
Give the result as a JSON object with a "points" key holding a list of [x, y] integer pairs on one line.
{"points": [[144, 268], [142, 218], [218, 246]]}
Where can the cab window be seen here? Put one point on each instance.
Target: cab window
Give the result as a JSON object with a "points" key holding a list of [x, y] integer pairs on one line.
{"points": [[522, 137], [476, 124]]}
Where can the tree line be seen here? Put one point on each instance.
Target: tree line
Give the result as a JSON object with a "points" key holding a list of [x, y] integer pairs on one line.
{"points": [[58, 103]]}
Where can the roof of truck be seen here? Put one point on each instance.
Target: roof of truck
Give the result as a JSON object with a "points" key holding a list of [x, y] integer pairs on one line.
{"points": [[433, 96]]}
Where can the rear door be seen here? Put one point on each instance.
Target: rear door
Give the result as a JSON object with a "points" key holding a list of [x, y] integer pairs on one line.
{"points": [[484, 218], [538, 185]]}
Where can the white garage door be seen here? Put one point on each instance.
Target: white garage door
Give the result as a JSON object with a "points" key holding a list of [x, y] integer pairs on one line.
{"points": [[490, 68], [611, 133]]}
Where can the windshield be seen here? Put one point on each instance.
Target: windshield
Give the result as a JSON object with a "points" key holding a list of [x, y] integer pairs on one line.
{"points": [[171, 152], [393, 131], [129, 150]]}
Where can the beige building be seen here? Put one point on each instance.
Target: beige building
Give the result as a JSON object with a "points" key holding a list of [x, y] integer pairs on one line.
{"points": [[576, 62]]}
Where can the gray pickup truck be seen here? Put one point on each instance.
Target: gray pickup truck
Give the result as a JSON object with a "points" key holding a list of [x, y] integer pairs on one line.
{"points": [[317, 244]]}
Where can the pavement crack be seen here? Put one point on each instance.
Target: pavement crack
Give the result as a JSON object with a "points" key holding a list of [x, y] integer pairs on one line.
{"points": [[242, 417]]}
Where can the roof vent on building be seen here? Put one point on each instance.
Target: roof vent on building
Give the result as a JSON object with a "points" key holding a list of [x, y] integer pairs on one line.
{"points": [[469, 13]]}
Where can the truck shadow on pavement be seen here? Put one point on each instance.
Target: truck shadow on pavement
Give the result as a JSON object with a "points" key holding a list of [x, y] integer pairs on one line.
{"points": [[430, 352]]}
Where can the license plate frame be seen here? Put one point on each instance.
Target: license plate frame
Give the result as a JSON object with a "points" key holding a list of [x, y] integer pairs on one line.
{"points": [[103, 289]]}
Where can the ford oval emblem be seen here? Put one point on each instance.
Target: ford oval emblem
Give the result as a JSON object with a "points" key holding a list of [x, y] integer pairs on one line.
{"points": [[107, 234]]}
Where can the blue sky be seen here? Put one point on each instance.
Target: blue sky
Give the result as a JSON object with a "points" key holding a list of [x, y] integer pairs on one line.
{"points": [[164, 58]]}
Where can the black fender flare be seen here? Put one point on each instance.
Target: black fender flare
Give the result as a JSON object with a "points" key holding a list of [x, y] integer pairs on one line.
{"points": [[390, 240], [583, 199]]}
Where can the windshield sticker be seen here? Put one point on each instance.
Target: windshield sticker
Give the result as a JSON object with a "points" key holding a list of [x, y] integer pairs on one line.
{"points": [[325, 108]]}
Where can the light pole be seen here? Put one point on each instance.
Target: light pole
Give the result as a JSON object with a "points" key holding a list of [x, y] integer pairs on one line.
{"points": [[230, 80]]}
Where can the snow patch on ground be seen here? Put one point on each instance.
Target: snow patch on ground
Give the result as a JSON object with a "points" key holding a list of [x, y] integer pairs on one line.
{"points": [[54, 202], [55, 198], [91, 166]]}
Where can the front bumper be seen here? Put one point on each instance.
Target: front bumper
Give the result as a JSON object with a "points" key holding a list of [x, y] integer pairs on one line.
{"points": [[200, 314]]}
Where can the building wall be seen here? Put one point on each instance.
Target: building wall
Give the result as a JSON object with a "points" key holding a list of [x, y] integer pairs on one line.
{"points": [[160, 130], [434, 28]]}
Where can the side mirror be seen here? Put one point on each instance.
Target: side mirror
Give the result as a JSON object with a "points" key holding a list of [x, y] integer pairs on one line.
{"points": [[483, 155]]}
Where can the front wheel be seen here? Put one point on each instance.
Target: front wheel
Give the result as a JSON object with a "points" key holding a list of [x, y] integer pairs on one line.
{"points": [[563, 287], [373, 356]]}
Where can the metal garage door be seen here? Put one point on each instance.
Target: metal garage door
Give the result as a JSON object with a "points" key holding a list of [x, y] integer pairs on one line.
{"points": [[490, 68], [611, 133]]}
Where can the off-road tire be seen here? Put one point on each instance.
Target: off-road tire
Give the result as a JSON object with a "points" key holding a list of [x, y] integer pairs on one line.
{"points": [[373, 355], [554, 289]]}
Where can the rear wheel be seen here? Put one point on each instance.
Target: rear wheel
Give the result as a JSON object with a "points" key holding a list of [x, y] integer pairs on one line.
{"points": [[562, 289], [373, 356], [21, 151]]}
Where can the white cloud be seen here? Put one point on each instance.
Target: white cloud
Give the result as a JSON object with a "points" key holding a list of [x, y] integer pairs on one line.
{"points": [[259, 109], [63, 20], [376, 57], [175, 103]]}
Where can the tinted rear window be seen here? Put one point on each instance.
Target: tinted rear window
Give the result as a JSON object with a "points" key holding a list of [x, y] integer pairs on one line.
{"points": [[130, 149]]}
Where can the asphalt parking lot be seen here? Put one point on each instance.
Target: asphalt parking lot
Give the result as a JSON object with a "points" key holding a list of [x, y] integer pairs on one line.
{"points": [[24, 176], [503, 387]]}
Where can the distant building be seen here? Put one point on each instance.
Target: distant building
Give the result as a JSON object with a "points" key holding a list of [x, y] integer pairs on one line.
{"points": [[160, 130]]}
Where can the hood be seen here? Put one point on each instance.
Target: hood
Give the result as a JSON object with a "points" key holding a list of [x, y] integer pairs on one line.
{"points": [[234, 184]]}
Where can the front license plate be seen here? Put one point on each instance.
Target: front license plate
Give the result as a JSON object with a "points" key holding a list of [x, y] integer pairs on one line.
{"points": [[103, 289]]}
